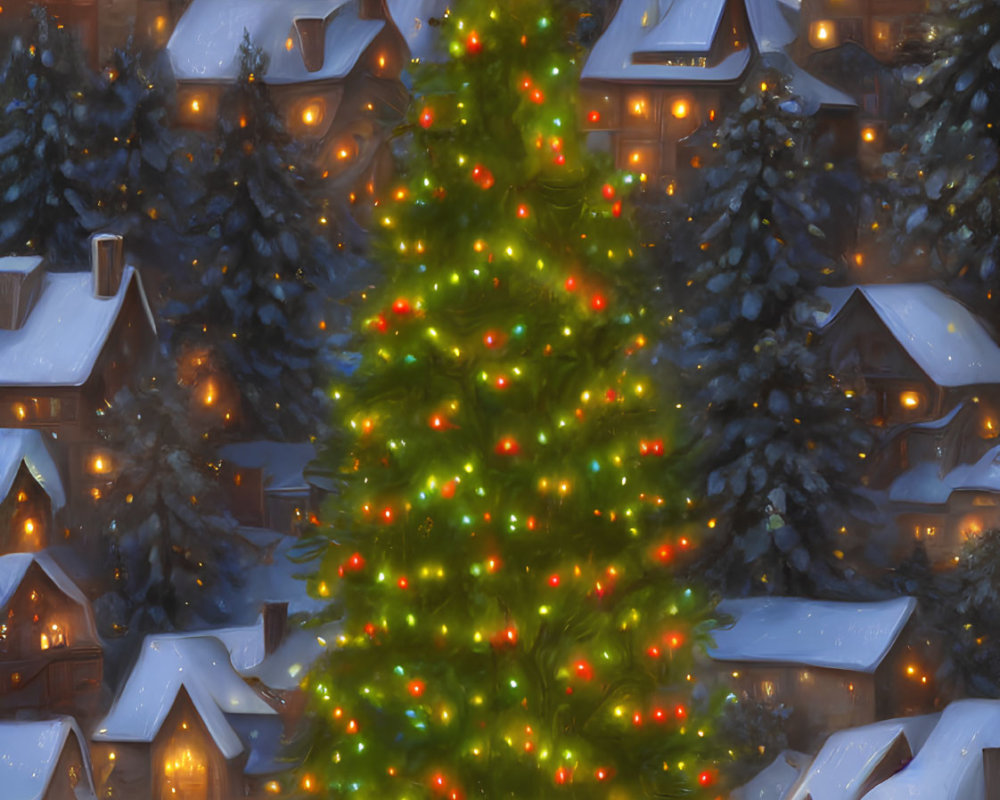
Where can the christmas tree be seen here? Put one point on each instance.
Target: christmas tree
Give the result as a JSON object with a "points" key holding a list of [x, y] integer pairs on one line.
{"points": [[510, 512], [266, 269]]}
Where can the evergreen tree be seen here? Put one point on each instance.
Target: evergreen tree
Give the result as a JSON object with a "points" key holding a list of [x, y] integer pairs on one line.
{"points": [[132, 174], [267, 274], [510, 512], [176, 555], [41, 94], [942, 187], [780, 447]]}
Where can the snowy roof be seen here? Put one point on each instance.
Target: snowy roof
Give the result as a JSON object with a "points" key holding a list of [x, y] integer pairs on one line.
{"points": [[244, 643], [774, 781], [950, 764], [13, 568], [199, 664], [940, 334], [273, 579], [983, 476], [687, 26], [20, 264], [611, 57], [818, 633], [811, 91], [65, 331], [412, 19], [282, 463], [940, 422], [285, 668], [847, 759], [922, 483], [29, 755], [836, 296], [25, 446], [206, 42], [774, 24]]}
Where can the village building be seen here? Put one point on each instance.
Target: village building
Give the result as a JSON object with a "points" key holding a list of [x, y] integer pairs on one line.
{"points": [[881, 27], [266, 483], [831, 664], [44, 760], [31, 491], [185, 724], [51, 657], [661, 70], [68, 342]]}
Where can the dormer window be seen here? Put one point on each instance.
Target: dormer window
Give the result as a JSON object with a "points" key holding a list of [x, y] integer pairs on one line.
{"points": [[312, 37]]}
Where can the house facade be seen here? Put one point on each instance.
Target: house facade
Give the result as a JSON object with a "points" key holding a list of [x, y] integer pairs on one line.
{"points": [[31, 491], [45, 760]]}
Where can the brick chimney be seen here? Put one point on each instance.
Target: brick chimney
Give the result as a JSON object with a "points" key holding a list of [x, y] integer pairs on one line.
{"points": [[312, 37], [20, 284], [107, 263], [275, 622]]}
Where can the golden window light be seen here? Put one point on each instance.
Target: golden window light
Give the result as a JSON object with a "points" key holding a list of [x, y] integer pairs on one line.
{"points": [[869, 134], [196, 105], [160, 24], [680, 109], [289, 43], [638, 106], [823, 33], [911, 400], [29, 527], [100, 464]]}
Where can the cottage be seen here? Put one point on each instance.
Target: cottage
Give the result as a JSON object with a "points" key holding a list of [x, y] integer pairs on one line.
{"points": [[31, 491], [45, 760], [832, 664], [853, 761], [68, 343], [185, 724], [50, 655], [912, 350], [880, 26], [266, 483], [333, 70], [661, 70]]}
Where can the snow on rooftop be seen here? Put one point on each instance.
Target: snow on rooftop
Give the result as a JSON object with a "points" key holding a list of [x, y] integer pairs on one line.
{"points": [[847, 759], [26, 446], [810, 90], [205, 44], [817, 633], [922, 483], [774, 781], [29, 755], [940, 334], [774, 24], [836, 296], [611, 57], [285, 668], [687, 26], [13, 568], [984, 475], [412, 18], [167, 663], [65, 331], [283, 463], [274, 579], [939, 423], [950, 764], [20, 264]]}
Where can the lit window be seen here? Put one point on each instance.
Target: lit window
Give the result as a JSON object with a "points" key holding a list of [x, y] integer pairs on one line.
{"points": [[680, 109], [823, 33], [100, 464], [869, 134], [312, 114], [911, 400]]}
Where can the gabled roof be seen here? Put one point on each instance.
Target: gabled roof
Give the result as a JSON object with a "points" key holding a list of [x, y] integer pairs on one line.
{"points": [[29, 755], [13, 568], [923, 483], [168, 662], [635, 28], [847, 759], [816, 633], [65, 332], [282, 463], [206, 42], [946, 340], [774, 781], [950, 764], [412, 18], [285, 668], [687, 26], [26, 446]]}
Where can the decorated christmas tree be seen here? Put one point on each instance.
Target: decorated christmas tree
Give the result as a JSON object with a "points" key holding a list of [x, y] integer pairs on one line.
{"points": [[511, 510]]}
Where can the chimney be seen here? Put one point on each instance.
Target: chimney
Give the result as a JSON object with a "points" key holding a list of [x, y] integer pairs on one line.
{"points": [[312, 37], [107, 263], [991, 772], [20, 285], [275, 621]]}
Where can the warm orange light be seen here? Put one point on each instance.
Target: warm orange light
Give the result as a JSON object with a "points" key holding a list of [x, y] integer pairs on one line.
{"points": [[635, 157], [29, 527], [381, 61], [910, 400], [822, 32], [289, 44], [196, 106], [209, 396], [869, 134], [22, 496], [160, 24], [272, 787], [680, 109], [638, 106], [312, 114], [100, 464], [20, 411]]}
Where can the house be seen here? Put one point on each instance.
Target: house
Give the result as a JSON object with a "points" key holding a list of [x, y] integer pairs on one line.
{"points": [[853, 761], [50, 655], [31, 491], [185, 724], [266, 483], [45, 760], [103, 25], [952, 755], [333, 71], [831, 664], [912, 350], [879, 26], [660, 70], [68, 342]]}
